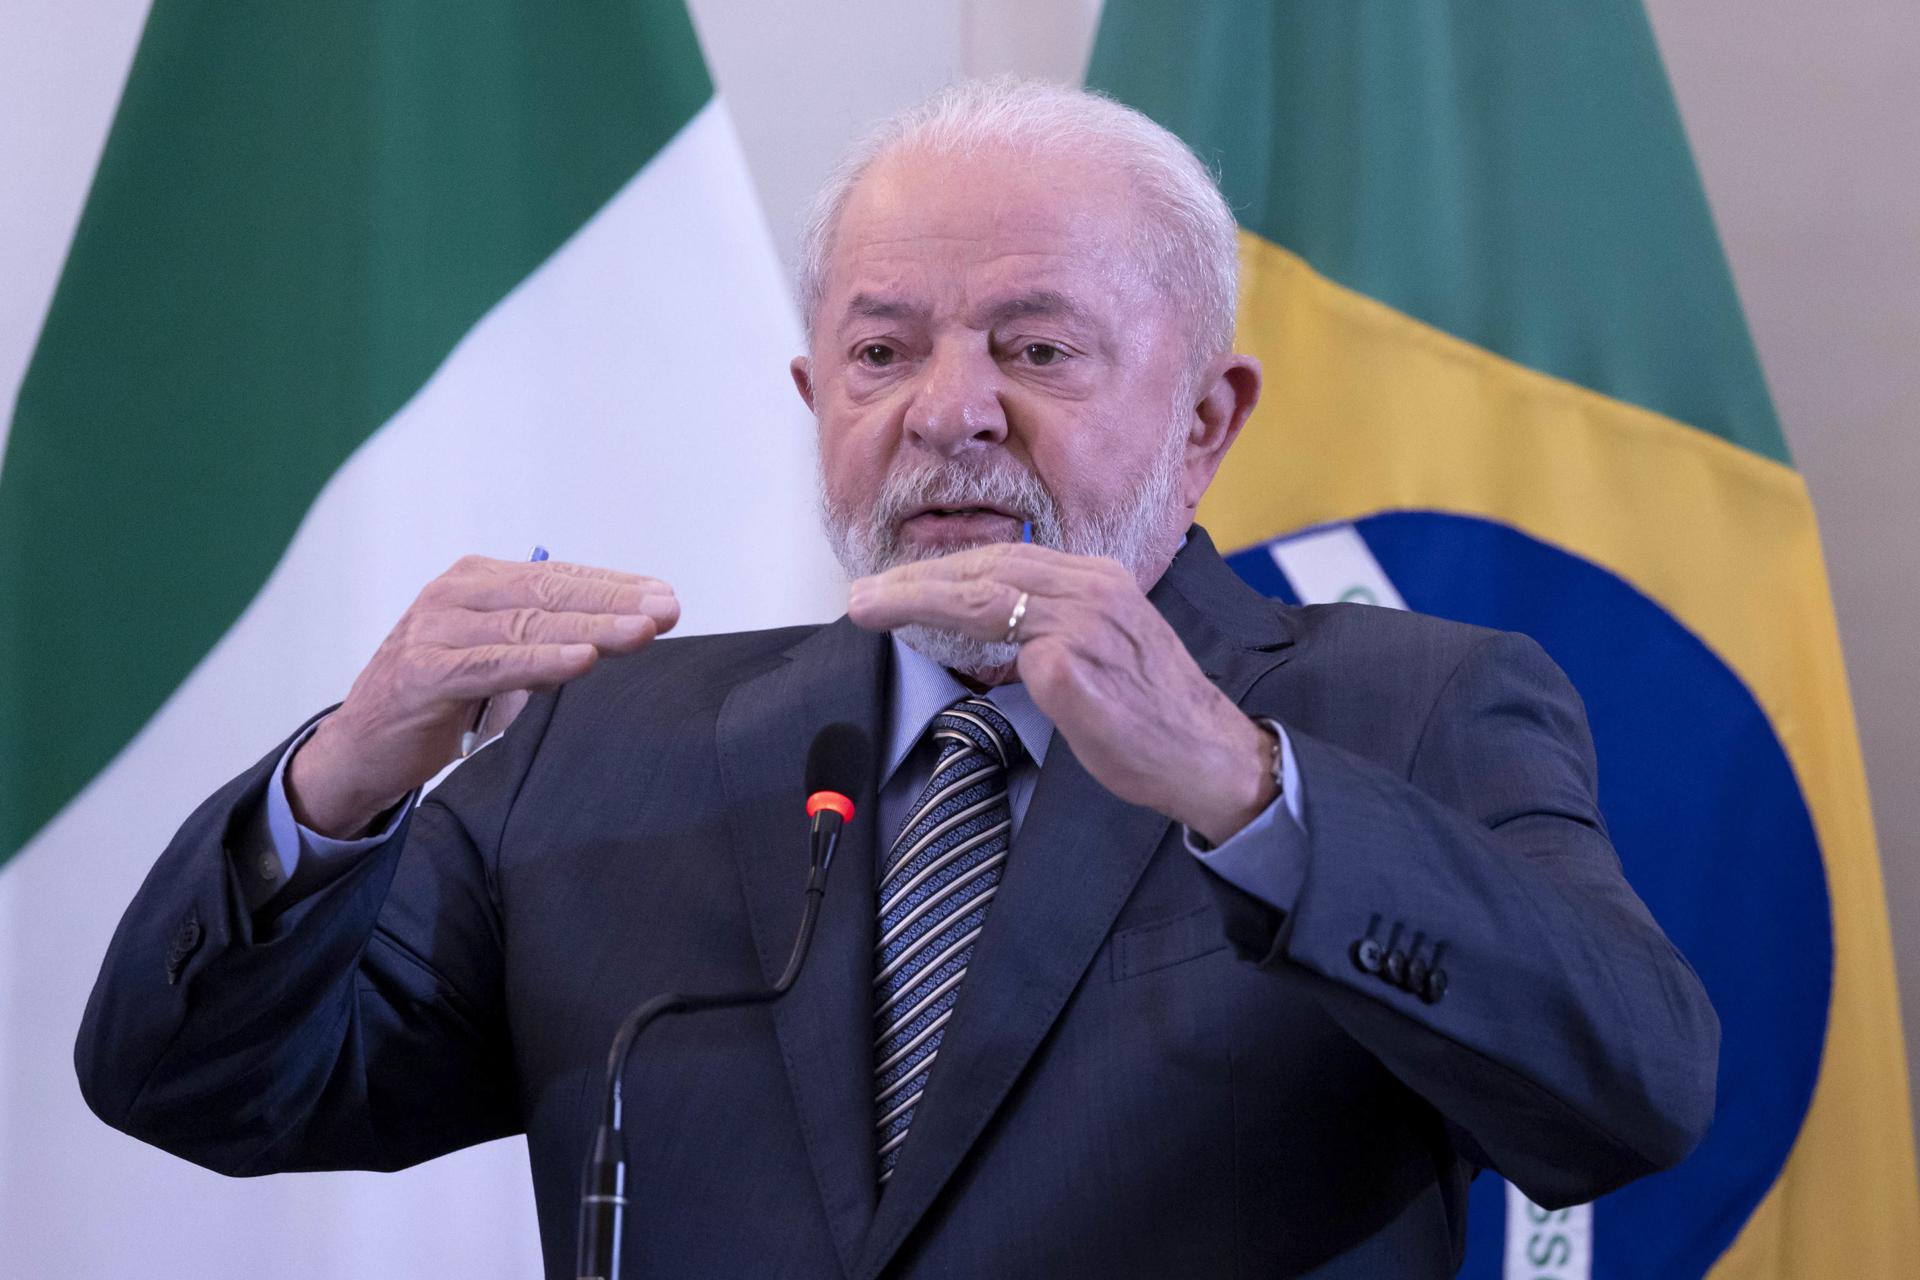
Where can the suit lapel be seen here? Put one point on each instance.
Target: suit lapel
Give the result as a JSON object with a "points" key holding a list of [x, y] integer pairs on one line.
{"points": [[825, 1022], [1073, 865]]}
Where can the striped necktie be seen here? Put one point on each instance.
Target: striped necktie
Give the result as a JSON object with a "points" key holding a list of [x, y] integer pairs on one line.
{"points": [[940, 878]]}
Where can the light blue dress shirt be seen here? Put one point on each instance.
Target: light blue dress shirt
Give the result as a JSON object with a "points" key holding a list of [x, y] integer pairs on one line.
{"points": [[1266, 858]]}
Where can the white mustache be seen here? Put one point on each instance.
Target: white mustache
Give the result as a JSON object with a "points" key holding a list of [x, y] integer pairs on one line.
{"points": [[1008, 487]]}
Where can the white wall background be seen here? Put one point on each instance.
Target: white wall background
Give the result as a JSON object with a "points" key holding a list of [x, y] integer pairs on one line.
{"points": [[1802, 118]]}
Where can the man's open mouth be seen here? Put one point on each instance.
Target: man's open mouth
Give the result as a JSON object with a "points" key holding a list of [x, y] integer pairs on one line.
{"points": [[947, 512], [960, 524]]}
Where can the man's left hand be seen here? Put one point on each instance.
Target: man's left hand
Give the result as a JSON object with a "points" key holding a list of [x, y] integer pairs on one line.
{"points": [[1104, 666]]}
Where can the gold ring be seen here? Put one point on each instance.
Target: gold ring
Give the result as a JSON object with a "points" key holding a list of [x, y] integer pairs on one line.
{"points": [[1013, 619]]}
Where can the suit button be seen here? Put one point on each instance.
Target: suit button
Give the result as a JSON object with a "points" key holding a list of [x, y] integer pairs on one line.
{"points": [[1417, 971], [1367, 955], [1436, 986], [1395, 968], [185, 942]]}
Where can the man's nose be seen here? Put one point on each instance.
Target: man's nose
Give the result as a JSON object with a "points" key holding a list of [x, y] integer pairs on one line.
{"points": [[957, 405]]}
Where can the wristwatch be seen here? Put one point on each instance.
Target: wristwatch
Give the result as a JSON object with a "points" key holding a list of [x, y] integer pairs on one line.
{"points": [[1197, 843], [1279, 735]]}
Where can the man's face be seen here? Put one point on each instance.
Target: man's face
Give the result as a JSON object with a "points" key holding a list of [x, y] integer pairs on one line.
{"points": [[990, 350]]}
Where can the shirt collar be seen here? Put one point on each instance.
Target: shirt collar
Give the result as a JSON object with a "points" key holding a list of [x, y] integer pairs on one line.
{"points": [[921, 689]]}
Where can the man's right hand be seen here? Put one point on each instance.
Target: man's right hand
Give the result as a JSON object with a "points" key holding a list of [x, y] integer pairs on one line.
{"points": [[484, 628]]}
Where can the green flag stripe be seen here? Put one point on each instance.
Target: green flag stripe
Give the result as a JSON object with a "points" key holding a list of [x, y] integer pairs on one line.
{"points": [[1510, 171], [299, 211]]}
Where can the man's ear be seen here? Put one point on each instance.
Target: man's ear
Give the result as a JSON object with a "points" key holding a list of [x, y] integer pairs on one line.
{"points": [[1228, 389], [802, 371]]}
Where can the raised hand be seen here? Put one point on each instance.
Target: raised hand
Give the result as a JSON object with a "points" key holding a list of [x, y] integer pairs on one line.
{"points": [[1106, 668], [484, 628]]}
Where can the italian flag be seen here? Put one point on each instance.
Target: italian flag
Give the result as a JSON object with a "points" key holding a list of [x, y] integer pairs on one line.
{"points": [[1508, 381], [356, 289]]}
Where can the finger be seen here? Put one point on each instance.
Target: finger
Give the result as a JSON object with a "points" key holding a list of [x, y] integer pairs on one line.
{"points": [[481, 567], [978, 607], [1028, 567], [975, 591], [556, 589], [486, 670], [607, 632]]}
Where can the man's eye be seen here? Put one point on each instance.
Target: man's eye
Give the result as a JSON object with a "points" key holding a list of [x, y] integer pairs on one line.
{"points": [[1042, 353], [877, 355]]}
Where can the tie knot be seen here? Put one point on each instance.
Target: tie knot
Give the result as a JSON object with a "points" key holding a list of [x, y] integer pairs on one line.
{"points": [[977, 722]]}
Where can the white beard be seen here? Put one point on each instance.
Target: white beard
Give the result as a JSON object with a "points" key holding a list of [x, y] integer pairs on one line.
{"points": [[1134, 533]]}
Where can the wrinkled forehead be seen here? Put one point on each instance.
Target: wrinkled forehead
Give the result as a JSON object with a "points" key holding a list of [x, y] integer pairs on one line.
{"points": [[987, 218]]}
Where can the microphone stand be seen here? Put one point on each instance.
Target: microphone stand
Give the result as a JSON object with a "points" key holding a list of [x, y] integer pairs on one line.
{"points": [[603, 1189]]}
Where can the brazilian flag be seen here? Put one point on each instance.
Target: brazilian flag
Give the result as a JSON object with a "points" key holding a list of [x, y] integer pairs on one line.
{"points": [[1508, 381]]}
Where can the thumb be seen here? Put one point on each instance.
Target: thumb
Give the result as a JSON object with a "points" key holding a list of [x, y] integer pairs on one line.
{"points": [[505, 708]]}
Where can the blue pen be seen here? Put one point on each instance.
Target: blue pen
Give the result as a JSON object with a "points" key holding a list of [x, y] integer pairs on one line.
{"points": [[470, 740]]}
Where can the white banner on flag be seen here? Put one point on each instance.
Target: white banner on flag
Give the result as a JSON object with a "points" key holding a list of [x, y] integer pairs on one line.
{"points": [[1547, 1244], [1332, 565]]}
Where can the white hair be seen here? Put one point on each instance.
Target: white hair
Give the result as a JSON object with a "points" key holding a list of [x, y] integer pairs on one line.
{"points": [[1187, 235]]}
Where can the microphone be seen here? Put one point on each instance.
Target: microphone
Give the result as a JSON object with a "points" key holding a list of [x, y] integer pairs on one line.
{"points": [[840, 754], [839, 757]]}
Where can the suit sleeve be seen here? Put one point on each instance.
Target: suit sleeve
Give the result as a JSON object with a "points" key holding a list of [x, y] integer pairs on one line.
{"points": [[361, 1026], [1469, 925]]}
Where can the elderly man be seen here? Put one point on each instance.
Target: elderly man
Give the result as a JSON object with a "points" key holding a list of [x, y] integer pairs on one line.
{"points": [[1178, 932]]}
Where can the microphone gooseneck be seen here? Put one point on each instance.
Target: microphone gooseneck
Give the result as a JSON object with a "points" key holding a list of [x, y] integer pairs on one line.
{"points": [[840, 754]]}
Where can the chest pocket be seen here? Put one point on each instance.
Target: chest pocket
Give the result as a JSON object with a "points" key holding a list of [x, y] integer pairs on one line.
{"points": [[1165, 943]]}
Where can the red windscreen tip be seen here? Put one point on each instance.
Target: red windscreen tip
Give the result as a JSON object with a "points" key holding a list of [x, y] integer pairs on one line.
{"points": [[830, 800]]}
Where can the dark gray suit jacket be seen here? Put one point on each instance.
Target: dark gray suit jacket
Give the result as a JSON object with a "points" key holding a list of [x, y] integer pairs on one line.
{"points": [[1149, 1073]]}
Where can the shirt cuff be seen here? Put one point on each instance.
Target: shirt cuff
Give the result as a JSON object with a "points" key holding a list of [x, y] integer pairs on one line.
{"points": [[286, 848], [1268, 857]]}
